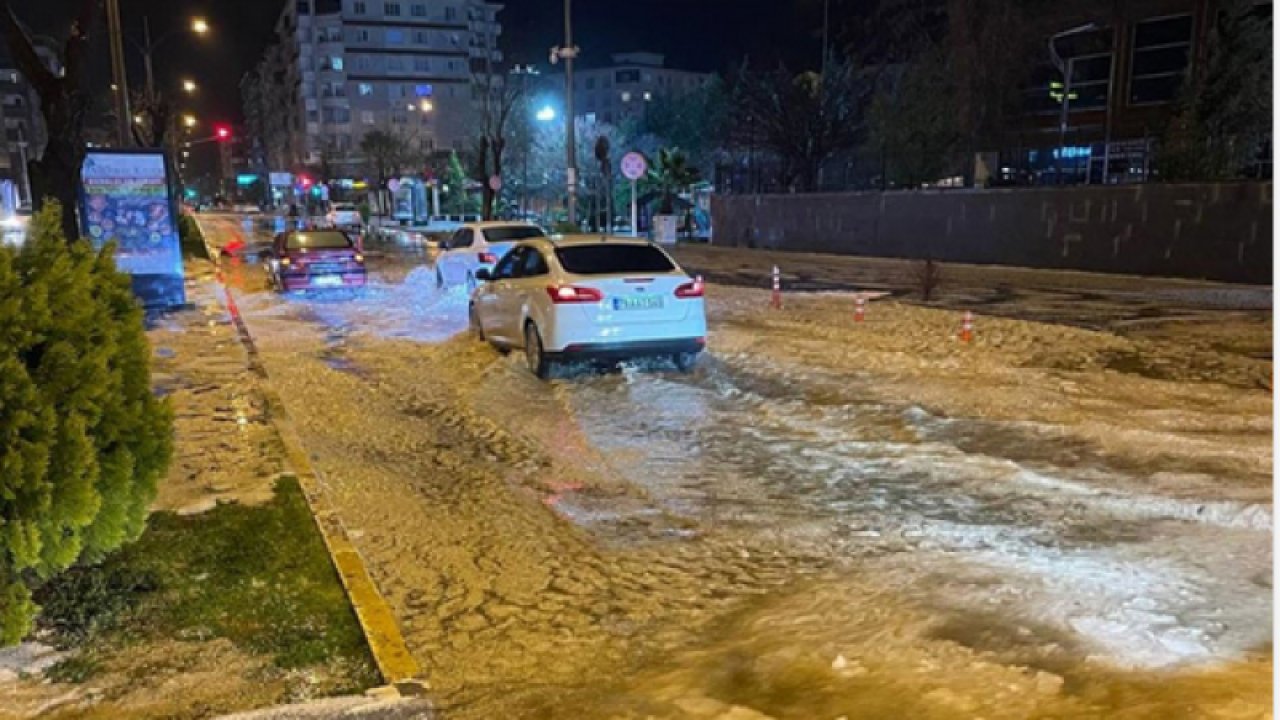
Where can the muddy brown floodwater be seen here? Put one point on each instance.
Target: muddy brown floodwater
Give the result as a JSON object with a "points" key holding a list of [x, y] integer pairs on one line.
{"points": [[822, 520]]}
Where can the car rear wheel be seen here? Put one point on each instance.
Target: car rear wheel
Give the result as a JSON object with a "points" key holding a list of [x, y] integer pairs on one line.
{"points": [[685, 361], [477, 330], [533, 354]]}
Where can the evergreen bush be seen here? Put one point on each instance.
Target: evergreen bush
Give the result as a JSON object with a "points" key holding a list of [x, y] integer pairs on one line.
{"points": [[83, 440]]}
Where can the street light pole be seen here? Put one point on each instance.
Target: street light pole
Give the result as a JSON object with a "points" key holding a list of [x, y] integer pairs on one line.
{"points": [[1067, 69], [524, 71], [826, 28], [119, 80], [146, 52], [571, 174]]}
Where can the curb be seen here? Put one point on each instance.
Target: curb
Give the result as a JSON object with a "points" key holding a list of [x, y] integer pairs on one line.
{"points": [[395, 663]]}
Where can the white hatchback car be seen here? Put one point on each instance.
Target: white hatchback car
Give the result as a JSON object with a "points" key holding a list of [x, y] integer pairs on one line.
{"points": [[479, 246], [344, 215], [586, 298]]}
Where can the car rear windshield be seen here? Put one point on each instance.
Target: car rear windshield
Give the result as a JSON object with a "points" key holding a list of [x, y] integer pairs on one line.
{"points": [[320, 239], [613, 259], [515, 232]]}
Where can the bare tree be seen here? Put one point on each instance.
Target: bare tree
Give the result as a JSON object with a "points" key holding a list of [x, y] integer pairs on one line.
{"points": [[498, 99], [63, 102], [804, 119]]}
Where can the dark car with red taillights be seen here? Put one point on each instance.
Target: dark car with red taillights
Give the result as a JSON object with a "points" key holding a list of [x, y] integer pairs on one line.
{"points": [[315, 260]]}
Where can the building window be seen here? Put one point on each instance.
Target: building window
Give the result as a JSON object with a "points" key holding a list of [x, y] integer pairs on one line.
{"points": [[626, 76], [366, 117], [335, 63], [395, 37], [421, 37], [591, 83], [359, 7], [418, 10], [626, 96], [394, 64], [423, 91], [648, 95], [422, 64], [391, 9], [455, 39], [363, 36], [1161, 56], [366, 89], [451, 14], [363, 62]]}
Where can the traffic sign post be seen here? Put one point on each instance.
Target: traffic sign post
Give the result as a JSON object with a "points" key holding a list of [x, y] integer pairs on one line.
{"points": [[634, 167]]}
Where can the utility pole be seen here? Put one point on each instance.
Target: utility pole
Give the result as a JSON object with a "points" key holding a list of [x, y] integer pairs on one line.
{"points": [[568, 53], [119, 80]]}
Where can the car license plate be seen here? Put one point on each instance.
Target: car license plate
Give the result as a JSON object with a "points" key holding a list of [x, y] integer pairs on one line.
{"points": [[326, 281], [638, 302], [325, 268]]}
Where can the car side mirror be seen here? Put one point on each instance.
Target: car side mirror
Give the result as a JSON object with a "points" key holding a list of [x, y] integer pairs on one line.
{"points": [[484, 274]]}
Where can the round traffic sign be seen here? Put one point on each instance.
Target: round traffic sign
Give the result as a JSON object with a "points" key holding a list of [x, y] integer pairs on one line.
{"points": [[393, 185], [634, 166], [495, 183]]}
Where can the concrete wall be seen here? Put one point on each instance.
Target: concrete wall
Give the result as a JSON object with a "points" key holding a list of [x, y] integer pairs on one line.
{"points": [[1218, 231]]}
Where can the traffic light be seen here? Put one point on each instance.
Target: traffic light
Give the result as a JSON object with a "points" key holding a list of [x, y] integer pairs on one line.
{"points": [[222, 132], [305, 181]]}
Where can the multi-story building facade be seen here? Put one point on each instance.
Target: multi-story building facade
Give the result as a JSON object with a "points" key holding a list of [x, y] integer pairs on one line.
{"points": [[24, 131], [343, 68], [621, 90], [1128, 60]]}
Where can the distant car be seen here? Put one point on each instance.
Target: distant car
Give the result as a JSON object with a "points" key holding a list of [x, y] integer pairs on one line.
{"points": [[478, 246], [314, 260], [345, 215], [449, 223], [581, 297]]}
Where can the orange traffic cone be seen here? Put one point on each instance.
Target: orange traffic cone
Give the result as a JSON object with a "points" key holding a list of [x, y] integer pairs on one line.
{"points": [[776, 301], [966, 329], [860, 309]]}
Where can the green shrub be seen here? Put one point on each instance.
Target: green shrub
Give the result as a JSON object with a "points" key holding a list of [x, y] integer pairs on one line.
{"points": [[190, 237], [82, 439], [564, 227]]}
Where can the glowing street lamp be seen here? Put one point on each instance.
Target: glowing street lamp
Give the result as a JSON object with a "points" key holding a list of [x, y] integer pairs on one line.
{"points": [[546, 114], [426, 106], [199, 26], [189, 120], [189, 86]]}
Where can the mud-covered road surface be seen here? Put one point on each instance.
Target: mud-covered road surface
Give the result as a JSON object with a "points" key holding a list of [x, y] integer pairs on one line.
{"points": [[823, 519]]}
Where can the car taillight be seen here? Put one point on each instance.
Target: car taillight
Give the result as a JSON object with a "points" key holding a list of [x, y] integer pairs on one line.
{"points": [[488, 258], [359, 258], [572, 294], [690, 290]]}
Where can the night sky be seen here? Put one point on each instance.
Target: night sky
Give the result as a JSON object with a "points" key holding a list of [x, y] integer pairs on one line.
{"points": [[696, 34]]}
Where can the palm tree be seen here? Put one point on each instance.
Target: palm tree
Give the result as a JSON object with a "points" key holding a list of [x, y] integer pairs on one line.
{"points": [[670, 176]]}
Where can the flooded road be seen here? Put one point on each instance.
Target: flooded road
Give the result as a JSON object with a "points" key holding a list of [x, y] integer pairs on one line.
{"points": [[810, 524]]}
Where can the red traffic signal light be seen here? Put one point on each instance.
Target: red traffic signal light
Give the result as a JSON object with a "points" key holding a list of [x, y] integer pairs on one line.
{"points": [[304, 181], [222, 132]]}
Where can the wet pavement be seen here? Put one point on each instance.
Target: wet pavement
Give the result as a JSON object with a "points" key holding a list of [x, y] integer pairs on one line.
{"points": [[803, 526]]}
